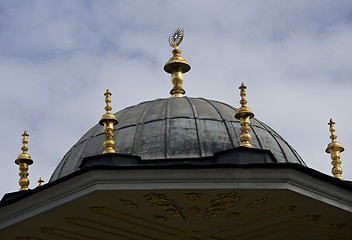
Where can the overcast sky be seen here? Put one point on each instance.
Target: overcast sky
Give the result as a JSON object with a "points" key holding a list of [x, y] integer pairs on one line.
{"points": [[57, 58]]}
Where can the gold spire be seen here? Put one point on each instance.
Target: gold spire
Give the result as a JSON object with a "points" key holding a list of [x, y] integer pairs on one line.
{"points": [[23, 160], [40, 182], [335, 148], [108, 120], [177, 65], [244, 114]]}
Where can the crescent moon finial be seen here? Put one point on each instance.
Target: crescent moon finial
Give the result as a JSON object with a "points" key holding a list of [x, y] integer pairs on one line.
{"points": [[176, 37]]}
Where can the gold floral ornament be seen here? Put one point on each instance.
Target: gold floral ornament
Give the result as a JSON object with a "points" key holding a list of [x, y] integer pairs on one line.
{"points": [[108, 120], [167, 205], [192, 196], [23, 160], [128, 203], [160, 218], [193, 210], [234, 214], [256, 203], [177, 65], [288, 208], [219, 205], [335, 148]]}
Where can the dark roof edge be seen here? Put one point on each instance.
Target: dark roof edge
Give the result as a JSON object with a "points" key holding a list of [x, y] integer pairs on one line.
{"points": [[10, 198]]}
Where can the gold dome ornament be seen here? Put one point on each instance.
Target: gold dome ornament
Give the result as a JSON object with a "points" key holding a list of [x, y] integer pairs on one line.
{"points": [[244, 114], [176, 37], [40, 182], [108, 120], [335, 148], [177, 65], [23, 160]]}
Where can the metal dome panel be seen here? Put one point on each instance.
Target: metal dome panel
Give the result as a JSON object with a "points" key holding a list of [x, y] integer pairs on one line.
{"points": [[176, 128]]}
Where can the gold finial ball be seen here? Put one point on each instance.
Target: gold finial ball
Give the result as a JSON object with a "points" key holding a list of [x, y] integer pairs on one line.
{"points": [[244, 111], [25, 134], [107, 93], [24, 157], [242, 87], [108, 116], [176, 37], [331, 122], [334, 145]]}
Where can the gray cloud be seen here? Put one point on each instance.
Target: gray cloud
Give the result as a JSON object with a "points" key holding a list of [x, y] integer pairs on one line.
{"points": [[57, 58]]}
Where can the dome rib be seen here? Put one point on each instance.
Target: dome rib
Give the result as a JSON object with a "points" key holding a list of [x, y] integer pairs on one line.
{"points": [[167, 128], [64, 164], [275, 138], [254, 130], [139, 130], [196, 120], [296, 154], [223, 120]]}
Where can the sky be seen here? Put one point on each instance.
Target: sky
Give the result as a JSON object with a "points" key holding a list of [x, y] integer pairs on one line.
{"points": [[57, 58]]}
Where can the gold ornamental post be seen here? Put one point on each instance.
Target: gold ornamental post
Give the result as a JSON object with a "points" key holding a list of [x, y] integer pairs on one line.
{"points": [[40, 182], [177, 65], [244, 114], [24, 160], [335, 148], [108, 120]]}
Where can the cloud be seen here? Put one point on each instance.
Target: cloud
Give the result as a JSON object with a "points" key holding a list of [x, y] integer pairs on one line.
{"points": [[57, 58]]}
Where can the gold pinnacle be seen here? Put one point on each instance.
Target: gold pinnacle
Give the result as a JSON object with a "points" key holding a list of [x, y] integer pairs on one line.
{"points": [[335, 148], [40, 181], [244, 114], [177, 65], [24, 160], [108, 120]]}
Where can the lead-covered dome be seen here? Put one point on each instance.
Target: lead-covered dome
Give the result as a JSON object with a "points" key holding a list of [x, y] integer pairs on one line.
{"points": [[176, 128]]}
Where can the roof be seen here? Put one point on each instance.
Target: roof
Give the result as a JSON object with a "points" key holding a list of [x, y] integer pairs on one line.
{"points": [[211, 202]]}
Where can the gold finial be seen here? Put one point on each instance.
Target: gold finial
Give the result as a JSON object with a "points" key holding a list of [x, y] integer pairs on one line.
{"points": [[177, 65], [108, 120], [244, 114], [40, 182], [335, 148], [23, 160]]}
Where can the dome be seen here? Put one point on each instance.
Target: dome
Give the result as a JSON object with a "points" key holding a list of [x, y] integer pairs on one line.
{"points": [[176, 128]]}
